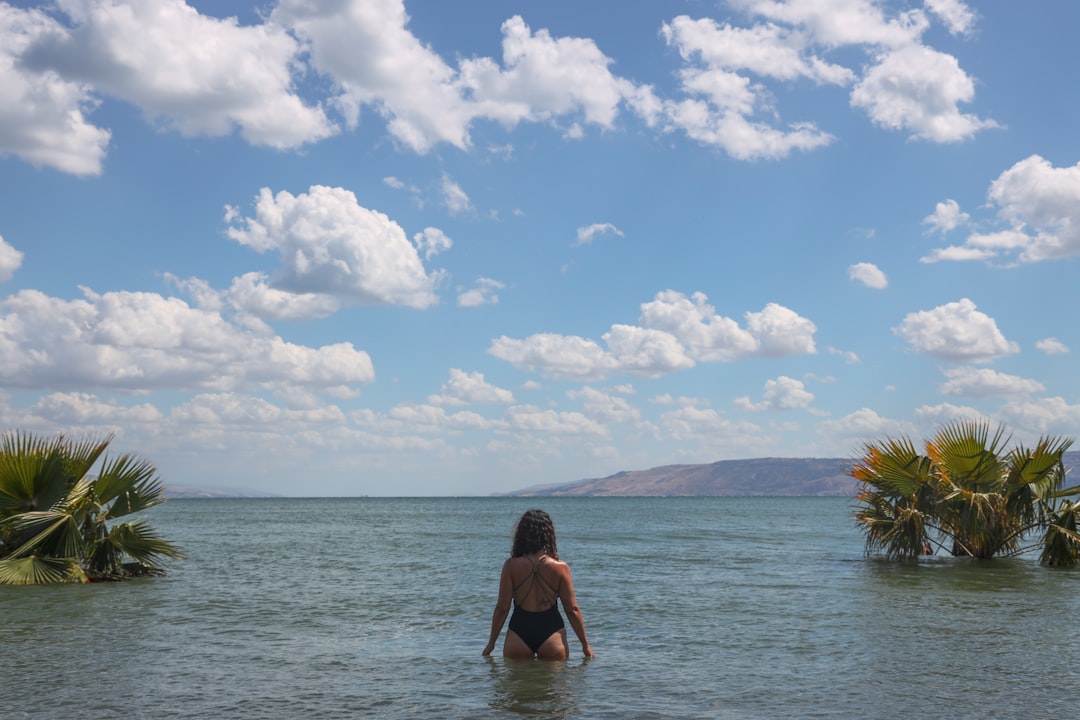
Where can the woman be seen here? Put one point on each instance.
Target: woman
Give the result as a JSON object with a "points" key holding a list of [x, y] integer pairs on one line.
{"points": [[534, 578]]}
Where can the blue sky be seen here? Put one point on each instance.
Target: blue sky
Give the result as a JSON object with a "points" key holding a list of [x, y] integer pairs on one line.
{"points": [[363, 247]]}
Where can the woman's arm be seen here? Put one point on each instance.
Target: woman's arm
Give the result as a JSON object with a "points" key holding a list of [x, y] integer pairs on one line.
{"points": [[573, 612], [502, 607]]}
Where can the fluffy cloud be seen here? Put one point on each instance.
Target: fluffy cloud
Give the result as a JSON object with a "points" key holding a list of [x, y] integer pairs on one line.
{"points": [[863, 425], [588, 233], [212, 76], [780, 332], [376, 61], [558, 355], [783, 393], [675, 332], [1039, 205], [605, 408], [955, 331], [722, 99], [10, 261], [531, 419], [919, 89], [936, 416], [140, 341], [546, 76], [486, 292], [455, 199], [645, 351], [983, 382], [201, 75], [432, 241], [775, 331], [835, 23], [766, 50], [869, 275], [910, 86], [251, 294], [1052, 346], [84, 410], [706, 335], [957, 16], [946, 217], [43, 114], [470, 389], [1035, 195], [1047, 416], [329, 244], [714, 432]]}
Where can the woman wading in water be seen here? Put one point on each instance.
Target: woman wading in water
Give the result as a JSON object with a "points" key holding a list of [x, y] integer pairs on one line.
{"points": [[534, 578]]}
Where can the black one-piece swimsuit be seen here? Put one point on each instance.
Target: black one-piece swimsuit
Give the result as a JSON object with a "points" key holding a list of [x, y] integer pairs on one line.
{"points": [[536, 627]]}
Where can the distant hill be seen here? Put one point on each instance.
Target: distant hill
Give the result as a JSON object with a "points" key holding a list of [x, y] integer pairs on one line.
{"points": [[760, 476], [189, 491]]}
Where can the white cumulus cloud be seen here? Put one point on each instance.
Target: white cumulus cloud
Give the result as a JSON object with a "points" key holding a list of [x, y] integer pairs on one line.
{"points": [[43, 115], [783, 393], [486, 292], [432, 241], [470, 389], [10, 260], [586, 234], [201, 75], [1039, 207], [1052, 346], [983, 382], [946, 217], [454, 197], [919, 89], [674, 333], [142, 341], [330, 244], [956, 331], [605, 408], [956, 15], [869, 275]]}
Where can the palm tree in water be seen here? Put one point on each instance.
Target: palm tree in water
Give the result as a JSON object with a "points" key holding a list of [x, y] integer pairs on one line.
{"points": [[58, 521], [968, 495]]}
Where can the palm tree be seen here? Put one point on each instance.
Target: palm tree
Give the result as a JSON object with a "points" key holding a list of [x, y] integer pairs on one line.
{"points": [[965, 493], [55, 516]]}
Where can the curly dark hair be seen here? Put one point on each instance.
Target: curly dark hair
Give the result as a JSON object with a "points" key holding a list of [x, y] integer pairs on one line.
{"points": [[534, 532]]}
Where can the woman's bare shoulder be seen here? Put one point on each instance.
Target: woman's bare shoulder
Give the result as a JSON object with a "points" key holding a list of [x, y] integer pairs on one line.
{"points": [[559, 566]]}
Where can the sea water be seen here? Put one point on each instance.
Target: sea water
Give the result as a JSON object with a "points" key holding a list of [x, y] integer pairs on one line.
{"points": [[696, 607]]}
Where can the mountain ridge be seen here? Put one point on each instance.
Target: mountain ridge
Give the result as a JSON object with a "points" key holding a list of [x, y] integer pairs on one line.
{"points": [[748, 477]]}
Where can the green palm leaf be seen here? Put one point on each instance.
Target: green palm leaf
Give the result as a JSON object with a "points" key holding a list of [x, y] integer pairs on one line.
{"points": [[129, 484], [49, 533], [137, 540], [33, 473], [38, 571], [894, 467], [968, 456]]}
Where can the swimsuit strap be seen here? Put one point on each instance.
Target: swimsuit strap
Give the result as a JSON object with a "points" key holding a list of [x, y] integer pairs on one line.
{"points": [[534, 576]]}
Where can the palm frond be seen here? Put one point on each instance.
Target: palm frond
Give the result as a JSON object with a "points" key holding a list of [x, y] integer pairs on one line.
{"points": [[47, 533], [138, 540], [1061, 543], [968, 456], [129, 484], [1040, 467], [39, 571], [897, 529], [33, 473], [893, 467]]}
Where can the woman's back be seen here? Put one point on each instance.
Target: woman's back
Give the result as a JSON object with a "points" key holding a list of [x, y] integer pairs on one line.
{"points": [[536, 581]]}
